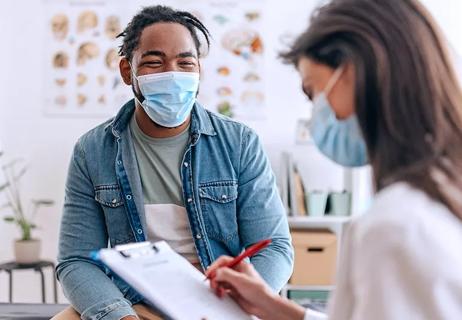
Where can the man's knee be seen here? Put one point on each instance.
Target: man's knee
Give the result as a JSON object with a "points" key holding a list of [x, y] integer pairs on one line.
{"points": [[67, 314], [145, 313]]}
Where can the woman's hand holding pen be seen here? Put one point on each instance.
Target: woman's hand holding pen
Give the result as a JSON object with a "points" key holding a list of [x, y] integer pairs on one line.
{"points": [[243, 284], [249, 290]]}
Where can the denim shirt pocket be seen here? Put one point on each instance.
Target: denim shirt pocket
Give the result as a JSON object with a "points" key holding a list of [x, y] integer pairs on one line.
{"points": [[112, 203], [109, 195], [218, 205]]}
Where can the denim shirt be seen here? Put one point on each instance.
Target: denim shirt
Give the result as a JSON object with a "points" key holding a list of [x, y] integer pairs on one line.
{"points": [[230, 197]]}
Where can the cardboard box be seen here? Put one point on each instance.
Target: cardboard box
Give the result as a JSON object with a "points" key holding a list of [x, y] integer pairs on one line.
{"points": [[315, 257]]}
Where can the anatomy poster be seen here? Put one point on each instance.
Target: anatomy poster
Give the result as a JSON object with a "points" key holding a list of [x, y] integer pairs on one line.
{"points": [[233, 73], [81, 67]]}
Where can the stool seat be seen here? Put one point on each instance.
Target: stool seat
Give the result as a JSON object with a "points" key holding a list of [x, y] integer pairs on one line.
{"points": [[9, 266]]}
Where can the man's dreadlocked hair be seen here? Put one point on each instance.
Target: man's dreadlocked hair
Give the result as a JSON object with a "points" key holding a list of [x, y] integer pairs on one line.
{"points": [[150, 15]]}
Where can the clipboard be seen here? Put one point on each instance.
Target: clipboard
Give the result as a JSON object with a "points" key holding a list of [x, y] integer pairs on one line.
{"points": [[168, 282]]}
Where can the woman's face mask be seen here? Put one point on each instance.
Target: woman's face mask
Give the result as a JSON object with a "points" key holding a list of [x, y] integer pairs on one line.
{"points": [[339, 140]]}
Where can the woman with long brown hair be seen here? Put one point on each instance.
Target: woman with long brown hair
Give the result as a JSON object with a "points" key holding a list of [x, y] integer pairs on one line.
{"points": [[384, 93]]}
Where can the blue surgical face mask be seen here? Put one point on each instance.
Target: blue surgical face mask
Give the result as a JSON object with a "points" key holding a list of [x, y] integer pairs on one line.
{"points": [[339, 140], [168, 96]]}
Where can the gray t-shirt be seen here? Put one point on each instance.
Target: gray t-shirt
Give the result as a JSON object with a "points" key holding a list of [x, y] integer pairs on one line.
{"points": [[159, 162]]}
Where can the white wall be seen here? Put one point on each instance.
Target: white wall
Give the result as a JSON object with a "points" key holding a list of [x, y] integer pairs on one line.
{"points": [[46, 143]]}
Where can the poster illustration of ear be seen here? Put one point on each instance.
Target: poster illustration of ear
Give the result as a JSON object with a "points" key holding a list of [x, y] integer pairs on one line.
{"points": [[82, 62]]}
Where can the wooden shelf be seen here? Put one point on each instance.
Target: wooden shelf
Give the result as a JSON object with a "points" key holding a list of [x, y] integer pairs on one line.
{"points": [[318, 222]]}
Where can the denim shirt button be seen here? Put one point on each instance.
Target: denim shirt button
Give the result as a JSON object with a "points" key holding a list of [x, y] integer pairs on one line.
{"points": [[139, 231], [224, 197], [119, 162], [186, 164], [198, 236], [189, 200], [129, 197]]}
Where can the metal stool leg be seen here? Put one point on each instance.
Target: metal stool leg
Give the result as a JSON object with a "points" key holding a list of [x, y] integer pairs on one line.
{"points": [[54, 284], [43, 284], [10, 292]]}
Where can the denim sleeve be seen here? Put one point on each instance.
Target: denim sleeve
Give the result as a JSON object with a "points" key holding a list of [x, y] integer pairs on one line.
{"points": [[83, 230], [261, 214]]}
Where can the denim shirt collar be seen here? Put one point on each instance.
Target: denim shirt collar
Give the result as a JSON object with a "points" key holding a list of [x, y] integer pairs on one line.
{"points": [[200, 120]]}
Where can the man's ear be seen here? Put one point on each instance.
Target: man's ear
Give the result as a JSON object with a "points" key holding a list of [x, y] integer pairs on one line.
{"points": [[125, 71]]}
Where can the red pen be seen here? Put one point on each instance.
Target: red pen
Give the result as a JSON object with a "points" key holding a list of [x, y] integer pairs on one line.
{"points": [[250, 251]]}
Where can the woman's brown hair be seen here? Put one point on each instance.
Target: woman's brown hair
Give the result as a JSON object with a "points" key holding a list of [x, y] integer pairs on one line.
{"points": [[408, 99]]}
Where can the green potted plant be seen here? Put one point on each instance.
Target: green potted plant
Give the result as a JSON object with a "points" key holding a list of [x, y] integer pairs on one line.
{"points": [[26, 249]]}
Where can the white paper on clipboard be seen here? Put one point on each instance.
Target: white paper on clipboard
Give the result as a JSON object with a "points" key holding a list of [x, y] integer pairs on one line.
{"points": [[169, 282]]}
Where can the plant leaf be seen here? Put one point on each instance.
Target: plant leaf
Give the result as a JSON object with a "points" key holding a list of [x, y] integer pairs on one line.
{"points": [[43, 202], [4, 186], [12, 163], [20, 174], [9, 219]]}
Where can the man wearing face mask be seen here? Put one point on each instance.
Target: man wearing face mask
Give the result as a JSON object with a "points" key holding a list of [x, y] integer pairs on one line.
{"points": [[165, 169]]}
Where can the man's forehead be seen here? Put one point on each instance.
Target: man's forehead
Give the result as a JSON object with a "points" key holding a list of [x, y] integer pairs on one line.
{"points": [[163, 31], [166, 37]]}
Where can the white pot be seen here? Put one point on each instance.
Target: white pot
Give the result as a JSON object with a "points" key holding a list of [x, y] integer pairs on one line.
{"points": [[27, 251]]}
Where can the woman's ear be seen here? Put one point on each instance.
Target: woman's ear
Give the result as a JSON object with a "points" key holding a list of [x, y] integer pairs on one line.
{"points": [[350, 74], [342, 95], [125, 71]]}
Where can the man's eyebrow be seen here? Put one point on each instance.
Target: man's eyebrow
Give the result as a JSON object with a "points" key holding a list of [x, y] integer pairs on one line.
{"points": [[154, 53], [187, 54]]}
